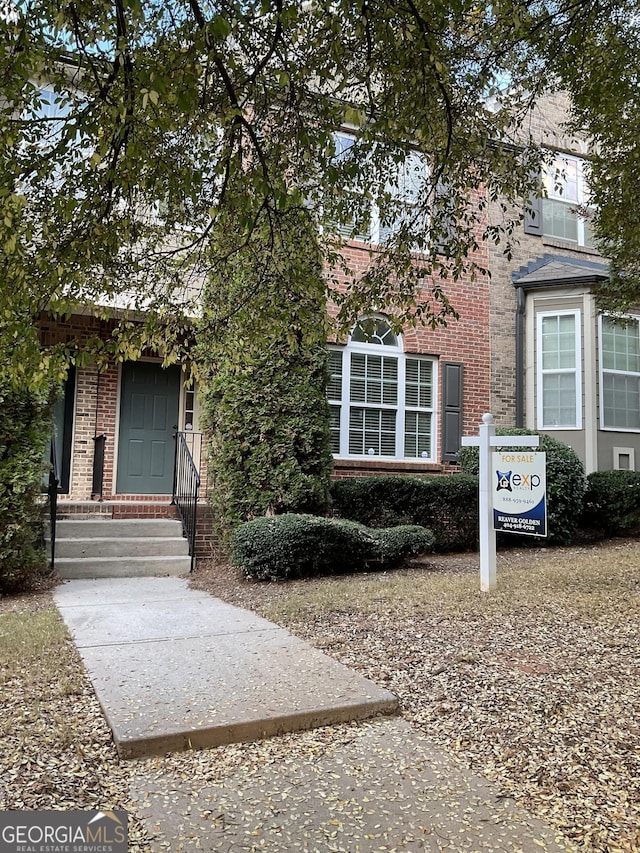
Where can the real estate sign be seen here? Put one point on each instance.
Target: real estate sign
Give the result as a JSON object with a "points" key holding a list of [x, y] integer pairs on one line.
{"points": [[520, 492]]}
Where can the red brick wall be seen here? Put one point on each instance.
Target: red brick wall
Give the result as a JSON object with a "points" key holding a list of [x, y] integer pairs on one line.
{"points": [[343, 468], [465, 340]]}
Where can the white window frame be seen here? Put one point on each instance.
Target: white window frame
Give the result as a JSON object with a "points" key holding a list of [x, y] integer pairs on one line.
{"points": [[576, 370], [602, 371], [553, 181], [395, 189], [401, 407]]}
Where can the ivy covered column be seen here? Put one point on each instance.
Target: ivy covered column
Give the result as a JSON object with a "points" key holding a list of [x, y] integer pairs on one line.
{"points": [[262, 357]]}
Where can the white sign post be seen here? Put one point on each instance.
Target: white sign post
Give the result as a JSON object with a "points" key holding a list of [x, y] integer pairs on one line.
{"points": [[485, 441]]}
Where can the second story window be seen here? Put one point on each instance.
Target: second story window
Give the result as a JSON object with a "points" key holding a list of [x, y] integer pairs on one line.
{"points": [[47, 117], [565, 209], [397, 203]]}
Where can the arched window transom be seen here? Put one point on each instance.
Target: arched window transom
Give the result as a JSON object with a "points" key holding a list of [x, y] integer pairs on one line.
{"points": [[374, 330]]}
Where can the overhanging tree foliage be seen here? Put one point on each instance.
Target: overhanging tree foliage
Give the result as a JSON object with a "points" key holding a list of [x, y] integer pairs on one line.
{"points": [[262, 355], [159, 108], [603, 79], [589, 49], [114, 181]]}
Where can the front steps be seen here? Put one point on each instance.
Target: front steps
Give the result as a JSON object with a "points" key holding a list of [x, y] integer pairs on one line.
{"points": [[110, 548]]}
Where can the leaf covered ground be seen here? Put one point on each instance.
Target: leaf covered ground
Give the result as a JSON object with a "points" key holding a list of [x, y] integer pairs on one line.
{"points": [[535, 686]]}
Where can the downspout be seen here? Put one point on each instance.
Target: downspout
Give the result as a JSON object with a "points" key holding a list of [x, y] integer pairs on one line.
{"points": [[99, 444], [520, 311]]}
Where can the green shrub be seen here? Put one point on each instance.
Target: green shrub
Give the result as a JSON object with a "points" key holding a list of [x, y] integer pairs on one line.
{"points": [[565, 485], [25, 427], [263, 361], [395, 544], [612, 503], [447, 505], [298, 546]]}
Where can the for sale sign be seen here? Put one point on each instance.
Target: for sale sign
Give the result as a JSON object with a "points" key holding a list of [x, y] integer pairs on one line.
{"points": [[520, 492]]}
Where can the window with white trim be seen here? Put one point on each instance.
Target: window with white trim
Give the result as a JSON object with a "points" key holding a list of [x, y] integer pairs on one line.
{"points": [[559, 379], [620, 374], [399, 201], [381, 400], [565, 208], [47, 117]]}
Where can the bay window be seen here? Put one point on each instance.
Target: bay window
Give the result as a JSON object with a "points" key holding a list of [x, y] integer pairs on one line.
{"points": [[620, 374], [558, 377]]}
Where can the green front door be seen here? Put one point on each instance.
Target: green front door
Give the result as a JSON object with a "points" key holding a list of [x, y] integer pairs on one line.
{"points": [[148, 419]]}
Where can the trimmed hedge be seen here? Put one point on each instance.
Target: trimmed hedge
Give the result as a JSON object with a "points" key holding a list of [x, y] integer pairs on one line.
{"points": [[612, 503], [291, 546], [447, 505], [566, 484]]}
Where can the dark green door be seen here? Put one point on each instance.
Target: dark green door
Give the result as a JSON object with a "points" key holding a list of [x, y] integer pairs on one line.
{"points": [[148, 419]]}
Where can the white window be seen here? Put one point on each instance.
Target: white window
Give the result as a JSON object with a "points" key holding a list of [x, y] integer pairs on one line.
{"points": [[559, 378], [381, 399], [620, 374], [566, 206], [398, 203], [44, 121]]}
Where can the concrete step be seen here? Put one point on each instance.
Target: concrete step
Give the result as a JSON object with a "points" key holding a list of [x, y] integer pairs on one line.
{"points": [[139, 546], [120, 548], [121, 567], [117, 528]]}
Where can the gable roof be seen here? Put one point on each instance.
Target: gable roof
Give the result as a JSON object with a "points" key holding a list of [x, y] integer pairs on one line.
{"points": [[558, 271]]}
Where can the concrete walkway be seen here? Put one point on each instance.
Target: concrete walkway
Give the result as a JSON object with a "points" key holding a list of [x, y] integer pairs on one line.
{"points": [[174, 668], [378, 785]]}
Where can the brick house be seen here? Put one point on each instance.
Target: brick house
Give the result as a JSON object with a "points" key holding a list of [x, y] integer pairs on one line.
{"points": [[528, 346], [399, 404], [556, 365], [437, 382]]}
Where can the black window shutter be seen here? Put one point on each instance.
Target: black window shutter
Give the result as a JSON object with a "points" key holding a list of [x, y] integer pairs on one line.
{"points": [[452, 379], [533, 215]]}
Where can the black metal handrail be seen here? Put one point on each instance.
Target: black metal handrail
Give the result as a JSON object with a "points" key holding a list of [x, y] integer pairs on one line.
{"points": [[186, 484], [52, 492]]}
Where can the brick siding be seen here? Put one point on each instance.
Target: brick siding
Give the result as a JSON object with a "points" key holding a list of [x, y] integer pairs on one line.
{"points": [[546, 128]]}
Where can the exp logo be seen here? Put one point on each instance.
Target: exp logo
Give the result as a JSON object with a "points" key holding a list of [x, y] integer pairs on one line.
{"points": [[504, 481], [509, 481]]}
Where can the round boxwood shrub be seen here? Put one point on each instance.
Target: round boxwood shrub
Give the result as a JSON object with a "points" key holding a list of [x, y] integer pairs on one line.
{"points": [[566, 485], [297, 546], [395, 544]]}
